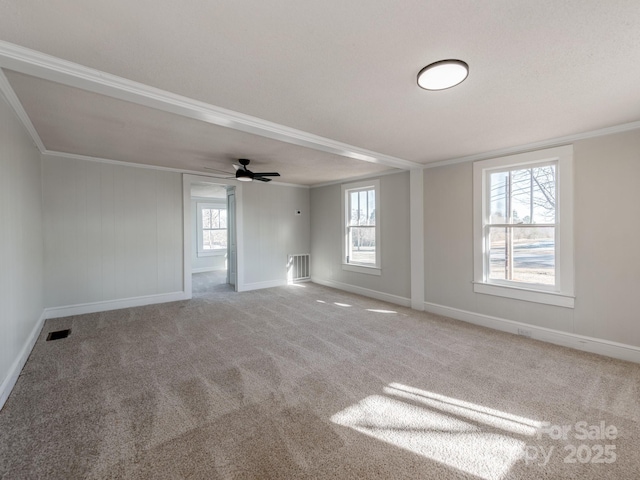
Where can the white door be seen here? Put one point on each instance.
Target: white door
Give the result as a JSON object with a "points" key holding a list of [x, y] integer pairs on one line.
{"points": [[232, 248]]}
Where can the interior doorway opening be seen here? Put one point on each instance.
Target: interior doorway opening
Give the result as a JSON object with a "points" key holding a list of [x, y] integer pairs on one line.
{"points": [[213, 237]]}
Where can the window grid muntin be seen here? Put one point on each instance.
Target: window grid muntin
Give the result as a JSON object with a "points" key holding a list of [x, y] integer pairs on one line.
{"points": [[371, 218], [487, 225]]}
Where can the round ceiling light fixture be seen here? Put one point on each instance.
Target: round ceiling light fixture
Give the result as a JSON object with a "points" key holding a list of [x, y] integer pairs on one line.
{"points": [[443, 74]]}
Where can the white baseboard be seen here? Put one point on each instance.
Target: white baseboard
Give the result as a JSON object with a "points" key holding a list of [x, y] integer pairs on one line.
{"points": [[566, 339], [81, 309], [365, 292], [260, 285], [207, 269], [14, 372]]}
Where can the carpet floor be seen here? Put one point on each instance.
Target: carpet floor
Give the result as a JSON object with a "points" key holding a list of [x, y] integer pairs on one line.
{"points": [[307, 382]]}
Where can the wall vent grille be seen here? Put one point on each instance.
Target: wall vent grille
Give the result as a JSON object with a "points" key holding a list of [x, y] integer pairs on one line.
{"points": [[57, 335], [299, 267]]}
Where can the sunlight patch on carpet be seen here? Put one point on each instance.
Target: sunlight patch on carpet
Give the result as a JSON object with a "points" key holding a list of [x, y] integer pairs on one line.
{"points": [[468, 437]]}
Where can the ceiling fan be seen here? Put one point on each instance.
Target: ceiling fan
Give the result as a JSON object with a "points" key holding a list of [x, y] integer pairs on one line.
{"points": [[243, 174]]}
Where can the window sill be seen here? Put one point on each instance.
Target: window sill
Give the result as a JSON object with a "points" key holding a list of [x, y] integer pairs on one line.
{"points": [[362, 269], [213, 253], [536, 296]]}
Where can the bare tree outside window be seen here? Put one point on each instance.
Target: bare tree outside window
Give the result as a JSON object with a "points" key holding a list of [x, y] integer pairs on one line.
{"points": [[522, 224]]}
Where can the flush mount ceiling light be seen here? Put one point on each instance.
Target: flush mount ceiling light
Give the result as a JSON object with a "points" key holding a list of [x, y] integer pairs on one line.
{"points": [[443, 74]]}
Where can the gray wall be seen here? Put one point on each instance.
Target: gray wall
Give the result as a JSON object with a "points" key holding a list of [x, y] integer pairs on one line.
{"points": [[272, 230], [326, 235], [21, 247], [111, 231], [607, 233]]}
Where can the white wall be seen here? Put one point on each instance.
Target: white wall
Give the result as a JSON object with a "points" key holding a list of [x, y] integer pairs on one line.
{"points": [[607, 234], [326, 243], [272, 231], [21, 247], [111, 231]]}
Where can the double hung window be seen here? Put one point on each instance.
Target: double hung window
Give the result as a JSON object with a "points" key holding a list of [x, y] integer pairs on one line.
{"points": [[361, 247], [212, 229], [523, 226]]}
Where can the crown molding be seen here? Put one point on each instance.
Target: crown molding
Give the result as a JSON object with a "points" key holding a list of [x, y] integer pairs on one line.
{"points": [[47, 67], [85, 158], [553, 142], [360, 177], [14, 102]]}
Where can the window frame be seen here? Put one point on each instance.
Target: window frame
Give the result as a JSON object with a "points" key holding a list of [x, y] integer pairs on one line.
{"points": [[200, 206], [562, 293], [346, 189]]}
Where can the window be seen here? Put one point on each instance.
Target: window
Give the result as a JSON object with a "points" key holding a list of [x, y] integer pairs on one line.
{"points": [[523, 219], [361, 246], [212, 229]]}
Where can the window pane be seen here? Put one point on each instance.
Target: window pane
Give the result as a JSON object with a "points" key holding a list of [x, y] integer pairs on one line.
{"points": [[521, 199], [362, 207], [223, 218], [354, 208], [371, 200], [522, 254], [219, 238], [544, 194], [534, 255], [207, 243], [496, 246], [362, 245], [363, 213], [206, 218], [215, 218], [498, 198]]}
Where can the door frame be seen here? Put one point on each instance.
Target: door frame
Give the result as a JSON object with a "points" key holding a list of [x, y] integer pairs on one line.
{"points": [[187, 181]]}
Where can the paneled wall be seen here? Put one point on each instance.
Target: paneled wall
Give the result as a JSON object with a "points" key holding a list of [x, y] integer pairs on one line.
{"points": [[111, 231], [21, 246], [607, 257], [272, 231], [326, 235]]}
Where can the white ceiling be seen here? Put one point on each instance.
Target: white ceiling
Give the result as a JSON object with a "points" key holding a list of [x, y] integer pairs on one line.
{"points": [[342, 70]]}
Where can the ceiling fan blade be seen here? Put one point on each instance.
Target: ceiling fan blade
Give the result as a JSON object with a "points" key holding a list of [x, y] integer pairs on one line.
{"points": [[259, 178], [237, 167], [267, 174]]}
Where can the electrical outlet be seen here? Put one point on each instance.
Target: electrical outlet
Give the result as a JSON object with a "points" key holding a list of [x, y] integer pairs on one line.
{"points": [[524, 333]]}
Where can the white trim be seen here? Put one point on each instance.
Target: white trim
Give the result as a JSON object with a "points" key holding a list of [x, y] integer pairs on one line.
{"points": [[361, 177], [361, 269], [54, 69], [187, 180], [528, 295], [14, 372], [14, 102], [86, 158], [206, 269], [553, 142], [260, 285], [607, 348], [344, 189], [365, 292], [107, 305], [218, 179], [562, 294], [416, 227]]}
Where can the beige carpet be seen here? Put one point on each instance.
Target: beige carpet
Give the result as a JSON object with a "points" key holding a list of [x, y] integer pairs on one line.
{"points": [[306, 382]]}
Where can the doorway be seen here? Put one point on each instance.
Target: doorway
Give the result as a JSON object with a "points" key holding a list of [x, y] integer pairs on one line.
{"points": [[213, 237]]}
